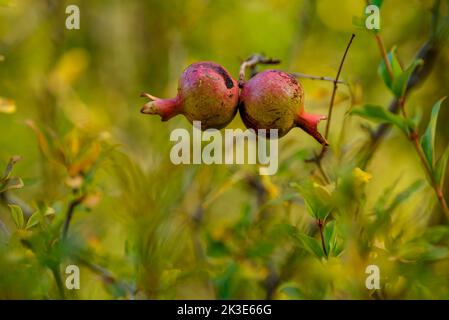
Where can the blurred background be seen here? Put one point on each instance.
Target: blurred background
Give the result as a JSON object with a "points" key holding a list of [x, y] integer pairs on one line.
{"points": [[143, 228]]}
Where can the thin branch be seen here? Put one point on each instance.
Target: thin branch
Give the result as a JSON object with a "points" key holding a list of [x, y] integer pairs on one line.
{"points": [[321, 228], [383, 52], [57, 275], [7, 198], [334, 91], [4, 229], [414, 138], [312, 77], [70, 211], [321, 169], [317, 159], [251, 63], [106, 275], [436, 187]]}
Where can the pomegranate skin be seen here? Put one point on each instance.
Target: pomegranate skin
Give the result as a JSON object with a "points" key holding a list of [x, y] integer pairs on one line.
{"points": [[206, 93], [274, 99]]}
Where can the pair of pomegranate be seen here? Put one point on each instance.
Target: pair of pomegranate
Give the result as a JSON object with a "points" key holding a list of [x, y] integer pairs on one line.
{"points": [[272, 99]]}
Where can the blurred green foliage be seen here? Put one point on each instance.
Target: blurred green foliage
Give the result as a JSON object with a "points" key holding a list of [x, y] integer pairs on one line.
{"points": [[94, 185]]}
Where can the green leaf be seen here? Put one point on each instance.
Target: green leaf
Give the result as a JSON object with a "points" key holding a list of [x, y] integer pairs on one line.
{"points": [[317, 198], [400, 82], [395, 66], [292, 291], [428, 138], [435, 253], [440, 167], [405, 194], [17, 215], [377, 3], [309, 244], [33, 220], [422, 251], [436, 234], [379, 114], [359, 22]]}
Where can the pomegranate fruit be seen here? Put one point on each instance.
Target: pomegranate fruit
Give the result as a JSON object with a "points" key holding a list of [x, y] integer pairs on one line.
{"points": [[206, 93], [274, 99]]}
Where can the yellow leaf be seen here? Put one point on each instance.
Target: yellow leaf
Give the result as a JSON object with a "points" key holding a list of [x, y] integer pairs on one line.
{"points": [[324, 190], [69, 68], [7, 105], [362, 176], [270, 187]]}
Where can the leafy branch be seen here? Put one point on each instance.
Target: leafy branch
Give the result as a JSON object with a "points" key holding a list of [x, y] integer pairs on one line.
{"points": [[424, 145], [427, 53]]}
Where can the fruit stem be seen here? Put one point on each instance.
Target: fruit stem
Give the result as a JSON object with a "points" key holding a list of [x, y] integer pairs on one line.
{"points": [[309, 123], [166, 108]]}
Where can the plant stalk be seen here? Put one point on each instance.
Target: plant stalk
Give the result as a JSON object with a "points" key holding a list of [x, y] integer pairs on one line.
{"points": [[69, 215], [414, 137], [383, 52], [321, 228], [436, 187]]}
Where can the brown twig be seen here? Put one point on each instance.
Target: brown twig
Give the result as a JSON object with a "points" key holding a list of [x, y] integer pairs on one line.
{"points": [[435, 185], [319, 165], [7, 198], [312, 77], [317, 158], [383, 52], [334, 91], [69, 215], [320, 224], [106, 275], [4, 229], [251, 63], [57, 275]]}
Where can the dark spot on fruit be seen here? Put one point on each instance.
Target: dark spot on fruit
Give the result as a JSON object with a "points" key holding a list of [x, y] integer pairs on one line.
{"points": [[295, 94], [222, 72]]}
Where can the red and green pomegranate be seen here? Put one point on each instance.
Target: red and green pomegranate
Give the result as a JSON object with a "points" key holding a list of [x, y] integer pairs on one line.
{"points": [[206, 93], [274, 99]]}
